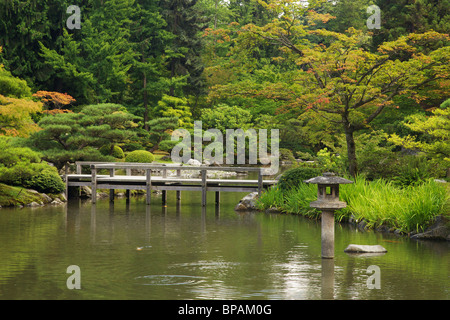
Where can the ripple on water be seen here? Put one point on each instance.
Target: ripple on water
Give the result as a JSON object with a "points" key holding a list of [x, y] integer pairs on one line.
{"points": [[168, 280]]}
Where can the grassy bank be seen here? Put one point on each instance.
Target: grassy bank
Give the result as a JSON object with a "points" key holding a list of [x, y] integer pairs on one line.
{"points": [[378, 203], [16, 196]]}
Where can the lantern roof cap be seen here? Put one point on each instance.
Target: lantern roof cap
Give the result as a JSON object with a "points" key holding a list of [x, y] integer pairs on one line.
{"points": [[328, 178]]}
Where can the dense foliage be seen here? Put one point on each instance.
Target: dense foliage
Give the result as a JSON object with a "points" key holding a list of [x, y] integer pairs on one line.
{"points": [[354, 100], [295, 176], [69, 137], [20, 166]]}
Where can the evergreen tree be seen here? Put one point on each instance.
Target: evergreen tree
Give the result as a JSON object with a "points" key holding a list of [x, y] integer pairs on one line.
{"points": [[69, 137], [23, 24], [347, 13], [173, 107], [186, 22], [250, 11], [402, 17], [95, 60], [149, 73]]}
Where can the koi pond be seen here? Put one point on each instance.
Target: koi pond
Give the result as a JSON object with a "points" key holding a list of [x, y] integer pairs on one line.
{"points": [[127, 250]]}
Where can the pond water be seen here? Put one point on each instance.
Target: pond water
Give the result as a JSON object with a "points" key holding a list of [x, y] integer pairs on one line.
{"points": [[133, 251]]}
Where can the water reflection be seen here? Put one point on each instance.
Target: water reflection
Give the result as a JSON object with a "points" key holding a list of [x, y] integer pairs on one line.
{"points": [[127, 250], [327, 279]]}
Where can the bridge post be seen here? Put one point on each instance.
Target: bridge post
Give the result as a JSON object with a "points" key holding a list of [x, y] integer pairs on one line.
{"points": [[164, 197], [164, 192], [94, 183], [111, 191], [66, 180], [260, 182], [217, 197], [127, 191], [148, 185], [178, 191], [203, 187]]}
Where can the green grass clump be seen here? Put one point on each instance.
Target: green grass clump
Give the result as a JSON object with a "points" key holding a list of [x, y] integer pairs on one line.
{"points": [[378, 203], [294, 200], [381, 202]]}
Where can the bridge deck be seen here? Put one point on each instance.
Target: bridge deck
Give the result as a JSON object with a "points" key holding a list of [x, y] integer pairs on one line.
{"points": [[163, 183]]}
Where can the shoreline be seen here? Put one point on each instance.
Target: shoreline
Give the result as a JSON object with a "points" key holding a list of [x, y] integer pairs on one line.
{"points": [[438, 230], [19, 197]]}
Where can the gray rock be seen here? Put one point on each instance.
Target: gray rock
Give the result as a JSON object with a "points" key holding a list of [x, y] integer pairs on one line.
{"points": [[362, 225], [62, 196], [273, 210], [57, 201], [358, 248], [193, 162], [33, 204], [247, 203], [440, 230], [46, 198], [85, 192], [102, 195]]}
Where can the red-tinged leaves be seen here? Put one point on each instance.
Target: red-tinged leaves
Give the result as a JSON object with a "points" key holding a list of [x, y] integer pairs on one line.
{"points": [[54, 99]]}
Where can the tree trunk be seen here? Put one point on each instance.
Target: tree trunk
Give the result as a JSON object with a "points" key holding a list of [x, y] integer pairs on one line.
{"points": [[145, 103], [216, 3], [351, 151]]}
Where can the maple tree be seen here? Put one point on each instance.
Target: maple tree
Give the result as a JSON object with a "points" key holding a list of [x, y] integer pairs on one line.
{"points": [[16, 106], [343, 82], [15, 116], [54, 100]]}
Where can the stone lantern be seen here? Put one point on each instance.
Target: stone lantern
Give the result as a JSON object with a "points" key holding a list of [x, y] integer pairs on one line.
{"points": [[328, 202]]}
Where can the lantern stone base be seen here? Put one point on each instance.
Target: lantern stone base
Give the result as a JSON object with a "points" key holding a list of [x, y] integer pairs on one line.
{"points": [[327, 234]]}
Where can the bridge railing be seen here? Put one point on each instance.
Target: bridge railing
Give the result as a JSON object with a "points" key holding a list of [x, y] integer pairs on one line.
{"points": [[163, 168]]}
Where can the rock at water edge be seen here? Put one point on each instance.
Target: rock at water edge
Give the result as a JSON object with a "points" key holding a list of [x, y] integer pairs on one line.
{"points": [[247, 203], [365, 248]]}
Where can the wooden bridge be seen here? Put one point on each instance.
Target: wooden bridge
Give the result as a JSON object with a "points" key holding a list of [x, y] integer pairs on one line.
{"points": [[155, 177]]}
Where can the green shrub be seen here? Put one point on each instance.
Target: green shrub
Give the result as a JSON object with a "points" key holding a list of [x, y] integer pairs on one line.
{"points": [[140, 156], [293, 177], [374, 154], [306, 156], [167, 145], [10, 154], [116, 152], [17, 175], [412, 170], [287, 155], [38, 176], [329, 161], [46, 181], [21, 166]]}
